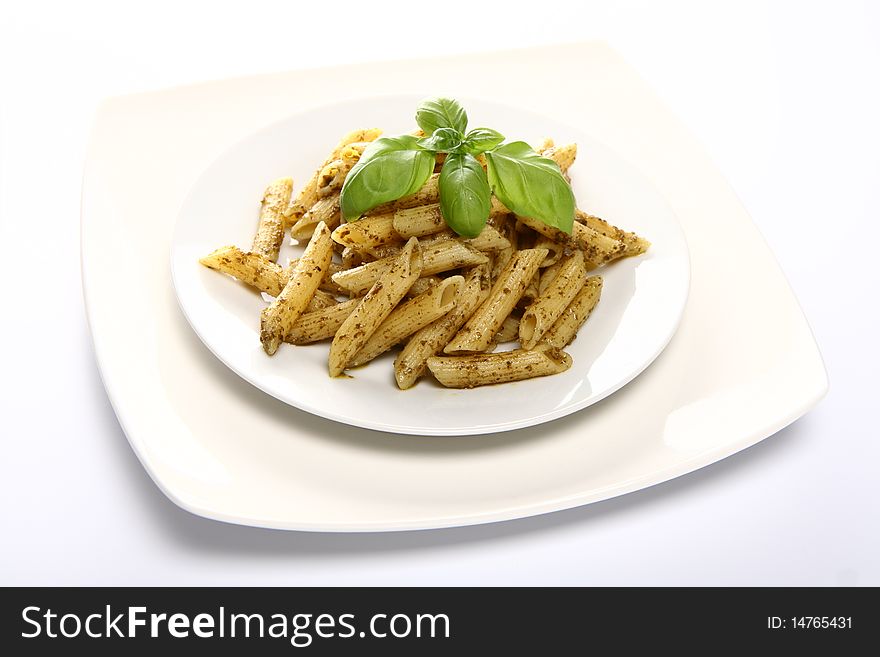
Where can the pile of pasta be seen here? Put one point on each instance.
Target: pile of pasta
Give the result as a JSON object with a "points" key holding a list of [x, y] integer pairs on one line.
{"points": [[399, 275]]}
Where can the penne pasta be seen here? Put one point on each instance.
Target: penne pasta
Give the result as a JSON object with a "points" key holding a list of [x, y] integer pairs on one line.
{"points": [[419, 221], [598, 249], [321, 300], [547, 275], [352, 259], [258, 272], [385, 293], [565, 329], [436, 258], [507, 229], [320, 324], [332, 176], [549, 306], [367, 233], [408, 318], [428, 194], [497, 209], [422, 285], [251, 268], [509, 330], [270, 230], [564, 155], [428, 220], [305, 276], [412, 362], [531, 291], [503, 367], [308, 195], [635, 245], [479, 331], [555, 250], [327, 284], [489, 239], [325, 209], [450, 254]]}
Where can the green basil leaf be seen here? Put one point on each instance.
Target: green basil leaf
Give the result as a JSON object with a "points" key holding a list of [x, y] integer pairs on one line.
{"points": [[444, 140], [390, 168], [480, 140], [465, 199], [436, 113], [531, 185]]}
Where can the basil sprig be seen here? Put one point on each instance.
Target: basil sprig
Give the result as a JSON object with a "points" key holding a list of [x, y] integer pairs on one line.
{"points": [[441, 113], [393, 167]]}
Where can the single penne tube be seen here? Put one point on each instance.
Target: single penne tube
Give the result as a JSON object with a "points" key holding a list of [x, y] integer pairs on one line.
{"points": [[333, 175], [565, 329], [424, 284], [320, 324], [412, 362], [367, 233], [502, 367], [327, 284], [598, 249], [383, 251], [252, 268], [325, 209], [531, 291], [555, 250], [428, 194], [509, 330], [450, 254], [353, 151], [497, 208], [563, 155], [419, 221], [436, 258], [308, 195], [635, 245], [270, 230], [321, 300], [507, 229], [291, 302], [489, 239], [547, 275], [376, 305], [543, 312], [408, 318], [352, 258], [428, 220], [479, 331]]}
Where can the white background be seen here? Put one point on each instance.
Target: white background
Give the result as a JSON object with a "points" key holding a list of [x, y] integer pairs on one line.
{"points": [[784, 95]]}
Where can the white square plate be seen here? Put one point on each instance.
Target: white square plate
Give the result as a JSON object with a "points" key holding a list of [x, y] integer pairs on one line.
{"points": [[742, 365]]}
